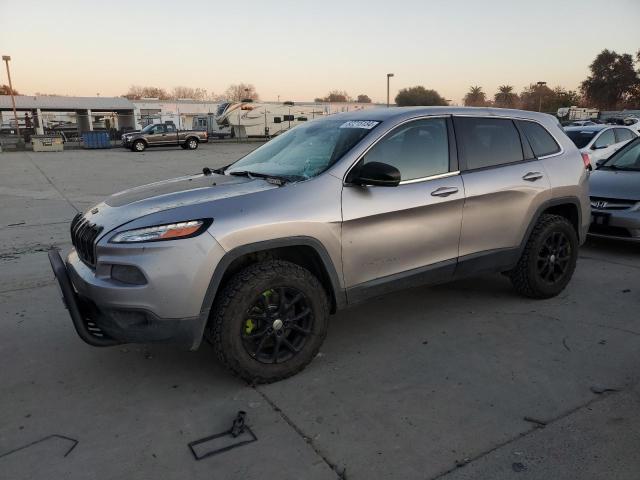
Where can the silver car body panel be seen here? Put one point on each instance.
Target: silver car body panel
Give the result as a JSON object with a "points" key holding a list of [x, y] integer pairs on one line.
{"points": [[368, 236]]}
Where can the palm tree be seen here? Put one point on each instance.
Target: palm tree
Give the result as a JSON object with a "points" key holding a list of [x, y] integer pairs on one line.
{"points": [[505, 98], [475, 97]]}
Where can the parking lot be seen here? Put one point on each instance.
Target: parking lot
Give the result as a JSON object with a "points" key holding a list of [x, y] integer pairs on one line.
{"points": [[423, 384]]}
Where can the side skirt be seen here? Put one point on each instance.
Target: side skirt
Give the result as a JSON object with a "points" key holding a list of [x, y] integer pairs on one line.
{"points": [[440, 272]]}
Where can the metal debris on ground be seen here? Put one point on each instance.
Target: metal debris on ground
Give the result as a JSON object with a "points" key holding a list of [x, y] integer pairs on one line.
{"points": [[239, 434], [55, 435]]}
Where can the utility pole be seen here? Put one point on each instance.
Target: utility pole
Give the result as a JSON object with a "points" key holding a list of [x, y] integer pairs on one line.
{"points": [[6, 59], [389, 75], [540, 85]]}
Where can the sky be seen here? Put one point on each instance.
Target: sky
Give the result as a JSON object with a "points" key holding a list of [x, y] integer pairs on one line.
{"points": [[300, 50]]}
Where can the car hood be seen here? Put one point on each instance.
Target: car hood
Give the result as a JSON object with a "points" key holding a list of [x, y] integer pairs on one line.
{"points": [[615, 184], [137, 202]]}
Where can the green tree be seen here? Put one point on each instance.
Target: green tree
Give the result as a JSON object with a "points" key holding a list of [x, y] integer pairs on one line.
{"points": [[562, 98], [419, 95], [335, 96], [613, 82], [475, 97], [536, 97], [505, 97], [362, 98]]}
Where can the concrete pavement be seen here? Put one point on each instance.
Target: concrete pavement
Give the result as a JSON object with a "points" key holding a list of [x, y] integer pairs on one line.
{"points": [[426, 383]]}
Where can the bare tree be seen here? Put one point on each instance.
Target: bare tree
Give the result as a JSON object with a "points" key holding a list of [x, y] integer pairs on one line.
{"points": [[137, 92], [5, 90], [241, 91]]}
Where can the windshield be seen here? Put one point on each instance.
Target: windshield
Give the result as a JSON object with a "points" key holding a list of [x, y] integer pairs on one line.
{"points": [[580, 137], [306, 150], [627, 158]]}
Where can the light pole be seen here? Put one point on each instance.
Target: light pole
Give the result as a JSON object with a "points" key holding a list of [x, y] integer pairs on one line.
{"points": [[540, 85], [389, 75], [6, 59]]}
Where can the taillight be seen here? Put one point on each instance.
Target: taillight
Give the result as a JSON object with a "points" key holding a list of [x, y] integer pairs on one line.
{"points": [[587, 161]]}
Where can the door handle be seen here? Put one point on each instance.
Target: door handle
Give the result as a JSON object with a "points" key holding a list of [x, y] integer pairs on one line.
{"points": [[444, 191], [532, 176]]}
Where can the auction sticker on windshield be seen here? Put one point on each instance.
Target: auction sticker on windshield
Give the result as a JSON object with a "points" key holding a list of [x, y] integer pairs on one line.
{"points": [[366, 124]]}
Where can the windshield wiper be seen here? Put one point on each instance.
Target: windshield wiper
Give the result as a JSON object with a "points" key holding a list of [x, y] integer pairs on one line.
{"points": [[615, 167], [277, 179]]}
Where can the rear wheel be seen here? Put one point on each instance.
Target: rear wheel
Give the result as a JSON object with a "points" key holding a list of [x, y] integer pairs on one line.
{"points": [[269, 321], [138, 146], [549, 258], [192, 143]]}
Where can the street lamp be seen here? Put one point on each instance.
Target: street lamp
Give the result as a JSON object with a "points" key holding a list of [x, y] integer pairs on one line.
{"points": [[389, 75], [540, 85], [5, 59]]}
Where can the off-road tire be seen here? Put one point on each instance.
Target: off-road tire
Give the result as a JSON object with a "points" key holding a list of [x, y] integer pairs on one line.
{"points": [[525, 277], [229, 313], [138, 146], [191, 143]]}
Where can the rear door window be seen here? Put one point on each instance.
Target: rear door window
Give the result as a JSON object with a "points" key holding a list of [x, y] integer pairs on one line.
{"points": [[624, 135], [605, 139], [488, 142], [541, 141]]}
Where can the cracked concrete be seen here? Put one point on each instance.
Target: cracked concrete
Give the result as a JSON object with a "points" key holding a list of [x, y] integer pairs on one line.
{"points": [[407, 386]]}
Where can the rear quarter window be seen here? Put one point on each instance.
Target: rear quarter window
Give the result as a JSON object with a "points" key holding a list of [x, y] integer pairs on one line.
{"points": [[487, 142], [541, 141]]}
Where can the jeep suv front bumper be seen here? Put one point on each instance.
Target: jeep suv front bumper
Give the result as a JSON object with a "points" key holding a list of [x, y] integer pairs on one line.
{"points": [[169, 308]]}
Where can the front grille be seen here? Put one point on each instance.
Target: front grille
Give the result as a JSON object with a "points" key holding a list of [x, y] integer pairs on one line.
{"points": [[83, 237], [600, 203]]}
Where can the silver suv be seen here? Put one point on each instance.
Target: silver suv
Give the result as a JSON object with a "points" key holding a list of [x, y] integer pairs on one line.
{"points": [[256, 256]]}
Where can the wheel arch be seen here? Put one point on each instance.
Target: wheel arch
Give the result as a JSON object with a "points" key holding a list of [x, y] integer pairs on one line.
{"points": [[307, 252], [567, 207]]}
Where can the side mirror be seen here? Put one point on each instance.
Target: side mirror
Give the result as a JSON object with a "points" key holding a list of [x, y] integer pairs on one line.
{"points": [[376, 173]]}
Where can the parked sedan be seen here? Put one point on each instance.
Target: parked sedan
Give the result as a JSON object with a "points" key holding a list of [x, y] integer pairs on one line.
{"points": [[615, 195], [600, 141]]}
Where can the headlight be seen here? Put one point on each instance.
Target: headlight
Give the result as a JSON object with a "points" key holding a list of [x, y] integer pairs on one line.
{"points": [[171, 231]]}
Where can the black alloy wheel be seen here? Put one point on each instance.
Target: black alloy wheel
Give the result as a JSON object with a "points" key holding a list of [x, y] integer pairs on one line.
{"points": [[277, 325], [554, 257]]}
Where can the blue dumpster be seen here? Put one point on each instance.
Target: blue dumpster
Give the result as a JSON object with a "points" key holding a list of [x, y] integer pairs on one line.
{"points": [[96, 140]]}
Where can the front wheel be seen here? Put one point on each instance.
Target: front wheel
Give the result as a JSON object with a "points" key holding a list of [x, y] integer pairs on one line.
{"points": [[270, 321], [138, 146], [548, 260], [192, 144]]}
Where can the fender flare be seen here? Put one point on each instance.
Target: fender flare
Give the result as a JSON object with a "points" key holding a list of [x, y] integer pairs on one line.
{"points": [[337, 292], [548, 204]]}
